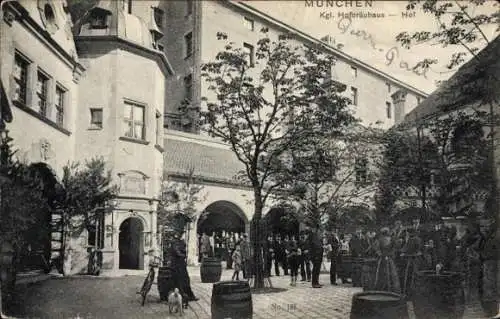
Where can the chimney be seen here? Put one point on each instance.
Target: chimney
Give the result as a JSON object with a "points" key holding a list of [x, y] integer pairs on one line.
{"points": [[399, 102], [328, 39]]}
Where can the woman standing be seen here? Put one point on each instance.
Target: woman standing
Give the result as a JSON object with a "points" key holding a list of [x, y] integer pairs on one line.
{"points": [[386, 275], [292, 252], [412, 256]]}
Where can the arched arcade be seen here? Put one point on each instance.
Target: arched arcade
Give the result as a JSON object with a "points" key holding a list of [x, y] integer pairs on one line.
{"points": [[221, 220]]}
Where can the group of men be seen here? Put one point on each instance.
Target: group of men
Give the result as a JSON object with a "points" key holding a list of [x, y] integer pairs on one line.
{"points": [[290, 254]]}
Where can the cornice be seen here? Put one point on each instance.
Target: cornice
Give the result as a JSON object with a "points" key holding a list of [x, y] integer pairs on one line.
{"points": [[159, 56]]}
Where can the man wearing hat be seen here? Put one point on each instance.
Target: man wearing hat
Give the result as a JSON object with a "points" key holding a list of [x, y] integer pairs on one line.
{"points": [[245, 256]]}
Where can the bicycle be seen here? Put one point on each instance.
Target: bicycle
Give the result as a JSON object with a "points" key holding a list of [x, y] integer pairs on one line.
{"points": [[148, 282]]}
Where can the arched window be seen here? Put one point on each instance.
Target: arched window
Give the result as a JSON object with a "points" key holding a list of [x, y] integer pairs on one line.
{"points": [[50, 17]]}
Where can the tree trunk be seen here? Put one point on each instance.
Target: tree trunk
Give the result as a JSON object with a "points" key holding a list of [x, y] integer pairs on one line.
{"points": [[256, 238]]}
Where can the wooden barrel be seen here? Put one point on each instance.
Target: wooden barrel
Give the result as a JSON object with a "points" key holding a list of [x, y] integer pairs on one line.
{"points": [[378, 305], [210, 270], [368, 269], [231, 299], [166, 282], [439, 296]]}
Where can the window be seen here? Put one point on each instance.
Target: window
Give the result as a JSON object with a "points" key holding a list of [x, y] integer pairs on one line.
{"points": [[20, 78], [388, 85], [158, 128], [188, 87], [249, 56], [134, 121], [388, 109], [159, 14], [59, 105], [249, 23], [49, 13], [129, 6], [96, 119], [354, 72], [354, 96], [418, 100], [156, 40], [189, 7], [188, 43], [98, 20], [41, 93], [361, 170]]}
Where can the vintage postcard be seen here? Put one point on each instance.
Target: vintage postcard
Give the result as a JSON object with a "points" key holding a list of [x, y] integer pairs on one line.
{"points": [[249, 159]]}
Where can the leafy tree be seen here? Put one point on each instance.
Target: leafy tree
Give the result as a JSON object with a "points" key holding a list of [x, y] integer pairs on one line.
{"points": [[177, 206], [460, 24], [27, 197], [331, 174], [88, 193], [451, 155], [179, 197], [255, 104], [405, 170]]}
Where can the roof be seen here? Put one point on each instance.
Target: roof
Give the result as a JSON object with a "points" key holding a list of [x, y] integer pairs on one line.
{"points": [[475, 82], [211, 163], [336, 52], [126, 27]]}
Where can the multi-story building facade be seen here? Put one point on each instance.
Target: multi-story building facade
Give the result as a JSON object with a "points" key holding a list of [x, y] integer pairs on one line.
{"points": [[40, 71], [113, 60]]}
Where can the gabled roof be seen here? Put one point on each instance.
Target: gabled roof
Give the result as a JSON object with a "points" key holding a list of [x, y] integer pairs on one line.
{"points": [[477, 82], [208, 162]]}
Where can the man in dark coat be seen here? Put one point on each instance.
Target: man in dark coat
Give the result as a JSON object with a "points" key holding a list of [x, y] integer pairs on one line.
{"points": [[246, 256], [279, 256], [268, 254], [316, 251], [305, 258], [179, 265], [333, 255]]}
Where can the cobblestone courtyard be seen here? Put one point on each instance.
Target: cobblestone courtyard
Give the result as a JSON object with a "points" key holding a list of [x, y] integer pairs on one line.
{"points": [[106, 297]]}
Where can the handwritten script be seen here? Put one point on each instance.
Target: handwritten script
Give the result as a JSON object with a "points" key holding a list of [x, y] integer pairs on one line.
{"points": [[391, 55]]}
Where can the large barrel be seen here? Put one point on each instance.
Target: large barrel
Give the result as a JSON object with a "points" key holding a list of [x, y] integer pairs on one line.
{"points": [[166, 282], [231, 299], [210, 270], [439, 296], [378, 305]]}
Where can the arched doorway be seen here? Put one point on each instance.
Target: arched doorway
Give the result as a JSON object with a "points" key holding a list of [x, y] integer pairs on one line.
{"points": [[282, 221], [221, 220], [130, 244]]}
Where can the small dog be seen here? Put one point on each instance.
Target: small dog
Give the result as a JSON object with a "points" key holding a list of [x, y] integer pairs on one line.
{"points": [[175, 304]]}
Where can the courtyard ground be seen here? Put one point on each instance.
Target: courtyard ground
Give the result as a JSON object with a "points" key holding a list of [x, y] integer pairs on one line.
{"points": [[115, 297]]}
